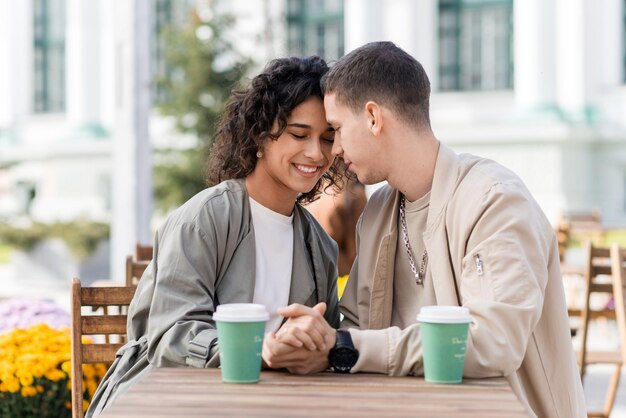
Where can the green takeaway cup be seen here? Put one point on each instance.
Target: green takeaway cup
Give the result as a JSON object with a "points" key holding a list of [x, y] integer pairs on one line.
{"points": [[240, 331], [444, 339]]}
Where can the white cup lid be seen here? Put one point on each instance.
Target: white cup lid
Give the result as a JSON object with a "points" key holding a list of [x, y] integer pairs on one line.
{"points": [[241, 312], [444, 315]]}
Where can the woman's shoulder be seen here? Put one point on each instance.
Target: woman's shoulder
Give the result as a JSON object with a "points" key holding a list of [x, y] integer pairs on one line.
{"points": [[215, 203]]}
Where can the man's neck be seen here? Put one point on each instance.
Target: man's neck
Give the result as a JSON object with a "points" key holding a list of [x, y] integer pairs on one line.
{"points": [[414, 166]]}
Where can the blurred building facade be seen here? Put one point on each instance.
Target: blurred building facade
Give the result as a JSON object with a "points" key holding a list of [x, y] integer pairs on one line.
{"points": [[536, 84]]}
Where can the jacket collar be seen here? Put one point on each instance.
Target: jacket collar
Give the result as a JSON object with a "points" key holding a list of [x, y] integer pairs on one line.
{"points": [[444, 181]]}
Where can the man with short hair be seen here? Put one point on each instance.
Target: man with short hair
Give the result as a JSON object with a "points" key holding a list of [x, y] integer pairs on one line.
{"points": [[448, 229]]}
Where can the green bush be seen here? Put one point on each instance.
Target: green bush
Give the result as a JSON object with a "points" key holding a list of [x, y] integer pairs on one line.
{"points": [[82, 237]]}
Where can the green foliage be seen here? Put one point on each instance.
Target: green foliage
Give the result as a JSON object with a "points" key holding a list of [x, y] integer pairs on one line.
{"points": [[5, 253], [82, 237], [202, 69]]}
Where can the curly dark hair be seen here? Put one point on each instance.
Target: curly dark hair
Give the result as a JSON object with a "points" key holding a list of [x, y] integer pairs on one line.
{"points": [[250, 114]]}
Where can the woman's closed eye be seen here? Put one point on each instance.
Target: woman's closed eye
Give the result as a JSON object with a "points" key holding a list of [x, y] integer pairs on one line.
{"points": [[298, 135]]}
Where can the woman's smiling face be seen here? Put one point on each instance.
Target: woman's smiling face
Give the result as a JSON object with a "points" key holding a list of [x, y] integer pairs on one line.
{"points": [[297, 159]]}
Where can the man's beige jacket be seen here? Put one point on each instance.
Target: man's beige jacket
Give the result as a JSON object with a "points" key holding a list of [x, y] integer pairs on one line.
{"points": [[490, 249]]}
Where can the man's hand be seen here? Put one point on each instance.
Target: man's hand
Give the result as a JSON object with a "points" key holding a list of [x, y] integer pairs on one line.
{"points": [[306, 327], [302, 344], [278, 355]]}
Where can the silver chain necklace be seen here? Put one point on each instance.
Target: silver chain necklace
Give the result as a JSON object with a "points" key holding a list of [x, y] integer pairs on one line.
{"points": [[419, 275]]}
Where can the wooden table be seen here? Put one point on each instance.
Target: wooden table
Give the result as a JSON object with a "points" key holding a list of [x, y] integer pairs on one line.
{"points": [[189, 393]]}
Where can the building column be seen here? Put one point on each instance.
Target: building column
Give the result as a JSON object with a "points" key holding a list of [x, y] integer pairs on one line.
{"points": [[82, 57], [132, 162], [16, 55], [535, 66], [589, 54], [362, 22]]}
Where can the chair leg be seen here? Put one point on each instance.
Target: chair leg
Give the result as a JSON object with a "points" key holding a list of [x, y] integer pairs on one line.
{"points": [[611, 393]]}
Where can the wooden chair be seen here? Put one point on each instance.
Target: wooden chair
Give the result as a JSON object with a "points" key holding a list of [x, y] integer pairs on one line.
{"points": [[95, 325], [600, 278], [134, 270], [143, 252]]}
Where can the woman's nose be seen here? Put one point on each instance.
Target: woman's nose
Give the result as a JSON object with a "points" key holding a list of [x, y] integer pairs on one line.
{"points": [[314, 149]]}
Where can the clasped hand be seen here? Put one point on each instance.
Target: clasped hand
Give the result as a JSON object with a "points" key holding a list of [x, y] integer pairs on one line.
{"points": [[302, 343]]}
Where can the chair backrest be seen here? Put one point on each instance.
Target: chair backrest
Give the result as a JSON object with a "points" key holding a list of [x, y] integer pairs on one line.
{"points": [[597, 266], [143, 252], [134, 270], [618, 258], [563, 238], [95, 325]]}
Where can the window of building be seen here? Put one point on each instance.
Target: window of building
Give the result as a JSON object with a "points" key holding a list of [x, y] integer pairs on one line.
{"points": [[315, 27], [475, 44], [49, 56]]}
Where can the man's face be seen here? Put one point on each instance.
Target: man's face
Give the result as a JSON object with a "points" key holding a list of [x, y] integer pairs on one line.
{"points": [[354, 141]]}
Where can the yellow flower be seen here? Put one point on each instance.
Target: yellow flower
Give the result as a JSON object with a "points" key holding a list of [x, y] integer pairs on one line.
{"points": [[39, 388], [12, 385], [28, 391], [68, 405], [91, 388], [26, 379], [55, 375], [101, 369], [85, 405], [67, 367], [88, 371]]}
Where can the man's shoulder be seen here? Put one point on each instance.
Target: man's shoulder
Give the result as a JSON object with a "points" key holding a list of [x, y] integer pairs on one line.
{"points": [[479, 175]]}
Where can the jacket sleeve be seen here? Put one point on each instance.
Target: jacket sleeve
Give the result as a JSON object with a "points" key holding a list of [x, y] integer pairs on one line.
{"points": [[179, 321], [503, 278]]}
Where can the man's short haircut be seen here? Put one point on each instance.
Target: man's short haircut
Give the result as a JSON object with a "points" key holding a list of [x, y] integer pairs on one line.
{"points": [[383, 73]]}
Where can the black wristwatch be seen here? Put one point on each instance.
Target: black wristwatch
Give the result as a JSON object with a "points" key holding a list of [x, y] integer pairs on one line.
{"points": [[343, 356]]}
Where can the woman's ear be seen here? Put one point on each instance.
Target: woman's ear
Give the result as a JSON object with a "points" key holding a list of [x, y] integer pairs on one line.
{"points": [[374, 116]]}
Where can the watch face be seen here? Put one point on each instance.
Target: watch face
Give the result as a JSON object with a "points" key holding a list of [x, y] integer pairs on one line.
{"points": [[342, 359]]}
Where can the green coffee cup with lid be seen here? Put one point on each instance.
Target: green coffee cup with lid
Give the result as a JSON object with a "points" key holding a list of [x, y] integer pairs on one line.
{"points": [[240, 331], [443, 330]]}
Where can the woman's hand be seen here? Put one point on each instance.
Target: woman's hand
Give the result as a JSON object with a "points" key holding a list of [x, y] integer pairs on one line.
{"points": [[277, 355], [306, 327]]}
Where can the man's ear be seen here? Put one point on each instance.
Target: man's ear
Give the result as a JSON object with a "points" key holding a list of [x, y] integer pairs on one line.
{"points": [[374, 116]]}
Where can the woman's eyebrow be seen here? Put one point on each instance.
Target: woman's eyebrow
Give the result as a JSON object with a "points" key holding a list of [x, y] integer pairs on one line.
{"points": [[299, 125]]}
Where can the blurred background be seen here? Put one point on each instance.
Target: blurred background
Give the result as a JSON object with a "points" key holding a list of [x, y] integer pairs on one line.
{"points": [[107, 109]]}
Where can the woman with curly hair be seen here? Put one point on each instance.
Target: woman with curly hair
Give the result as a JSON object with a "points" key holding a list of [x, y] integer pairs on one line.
{"points": [[246, 238]]}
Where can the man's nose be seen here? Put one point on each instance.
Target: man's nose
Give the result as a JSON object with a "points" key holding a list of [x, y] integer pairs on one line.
{"points": [[337, 151]]}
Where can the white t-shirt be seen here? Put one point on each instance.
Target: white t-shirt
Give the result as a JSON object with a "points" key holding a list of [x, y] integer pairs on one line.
{"points": [[273, 238]]}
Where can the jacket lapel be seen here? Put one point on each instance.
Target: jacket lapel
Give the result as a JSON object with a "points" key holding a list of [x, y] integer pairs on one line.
{"points": [[381, 297], [436, 237], [303, 284]]}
